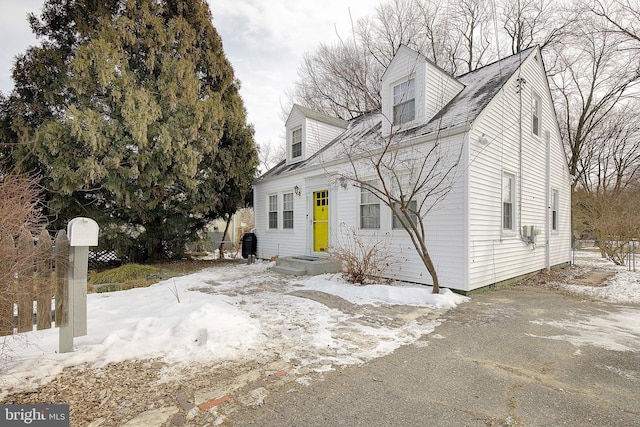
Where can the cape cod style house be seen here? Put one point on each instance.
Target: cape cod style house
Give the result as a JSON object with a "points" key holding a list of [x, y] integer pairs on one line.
{"points": [[507, 212]]}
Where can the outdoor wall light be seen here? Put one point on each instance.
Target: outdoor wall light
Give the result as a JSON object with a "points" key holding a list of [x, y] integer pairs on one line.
{"points": [[343, 182], [296, 190]]}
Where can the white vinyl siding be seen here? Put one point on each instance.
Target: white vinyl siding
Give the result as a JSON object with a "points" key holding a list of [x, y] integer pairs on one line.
{"points": [[496, 254], [468, 244], [273, 211], [287, 211], [279, 241], [434, 88], [306, 135]]}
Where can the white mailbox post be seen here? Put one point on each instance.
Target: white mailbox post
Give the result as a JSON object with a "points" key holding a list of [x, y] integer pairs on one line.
{"points": [[82, 233]]}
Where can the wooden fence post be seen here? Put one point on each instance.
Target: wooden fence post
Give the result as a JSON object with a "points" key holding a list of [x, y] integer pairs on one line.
{"points": [[8, 251], [61, 258], [25, 278], [44, 285]]}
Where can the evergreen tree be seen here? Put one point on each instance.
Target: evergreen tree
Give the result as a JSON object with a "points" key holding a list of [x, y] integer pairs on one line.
{"points": [[130, 111]]}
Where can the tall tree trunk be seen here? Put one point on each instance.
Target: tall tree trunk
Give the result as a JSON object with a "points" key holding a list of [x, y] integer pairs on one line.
{"points": [[224, 236]]}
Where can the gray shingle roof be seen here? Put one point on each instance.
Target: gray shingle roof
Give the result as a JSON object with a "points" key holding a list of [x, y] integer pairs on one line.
{"points": [[481, 86], [320, 117]]}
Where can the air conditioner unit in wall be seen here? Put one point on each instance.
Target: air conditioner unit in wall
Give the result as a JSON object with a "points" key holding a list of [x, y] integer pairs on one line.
{"points": [[529, 232]]}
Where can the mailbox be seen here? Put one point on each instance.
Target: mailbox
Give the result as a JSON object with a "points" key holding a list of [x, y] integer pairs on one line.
{"points": [[82, 232]]}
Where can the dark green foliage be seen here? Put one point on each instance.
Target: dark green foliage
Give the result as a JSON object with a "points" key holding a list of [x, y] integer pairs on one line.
{"points": [[131, 113]]}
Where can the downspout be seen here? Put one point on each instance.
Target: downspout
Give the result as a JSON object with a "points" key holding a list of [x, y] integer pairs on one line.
{"points": [[521, 83], [547, 137], [467, 255]]}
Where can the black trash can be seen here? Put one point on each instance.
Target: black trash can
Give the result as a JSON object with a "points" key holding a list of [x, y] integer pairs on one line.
{"points": [[249, 245]]}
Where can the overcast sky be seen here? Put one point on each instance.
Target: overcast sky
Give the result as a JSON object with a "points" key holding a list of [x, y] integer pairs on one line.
{"points": [[264, 40]]}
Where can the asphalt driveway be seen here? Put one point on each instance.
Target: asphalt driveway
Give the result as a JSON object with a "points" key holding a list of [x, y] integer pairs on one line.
{"points": [[520, 356]]}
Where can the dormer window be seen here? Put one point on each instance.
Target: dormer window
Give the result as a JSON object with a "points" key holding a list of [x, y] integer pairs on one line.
{"points": [[404, 102], [296, 143]]}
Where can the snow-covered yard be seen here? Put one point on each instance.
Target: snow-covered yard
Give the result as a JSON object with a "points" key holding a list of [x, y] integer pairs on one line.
{"points": [[622, 287], [235, 313], [239, 313]]}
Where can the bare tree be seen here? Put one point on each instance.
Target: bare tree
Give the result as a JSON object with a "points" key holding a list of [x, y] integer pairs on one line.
{"points": [[19, 213], [270, 155], [589, 81], [530, 22], [613, 219], [396, 23], [340, 80], [623, 17], [436, 24], [409, 178], [343, 78], [472, 28], [606, 201], [611, 158]]}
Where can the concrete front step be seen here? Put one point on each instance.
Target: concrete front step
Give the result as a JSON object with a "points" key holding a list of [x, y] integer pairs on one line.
{"points": [[306, 265], [289, 270]]}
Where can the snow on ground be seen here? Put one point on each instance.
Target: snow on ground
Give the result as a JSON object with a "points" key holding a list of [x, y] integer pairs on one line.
{"points": [[618, 330], [623, 287], [233, 313], [238, 313]]}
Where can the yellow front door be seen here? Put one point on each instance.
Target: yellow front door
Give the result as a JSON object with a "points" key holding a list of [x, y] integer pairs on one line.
{"points": [[321, 221]]}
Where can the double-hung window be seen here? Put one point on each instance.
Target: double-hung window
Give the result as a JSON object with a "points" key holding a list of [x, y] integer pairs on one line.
{"points": [[399, 187], [273, 211], [536, 115], [287, 210], [412, 207], [369, 209], [554, 210], [404, 102], [296, 143], [508, 197]]}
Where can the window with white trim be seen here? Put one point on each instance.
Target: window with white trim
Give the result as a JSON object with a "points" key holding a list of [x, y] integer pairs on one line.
{"points": [[296, 143], [287, 211], [554, 210], [399, 189], [508, 197], [273, 211], [536, 115], [369, 209], [412, 207], [404, 102]]}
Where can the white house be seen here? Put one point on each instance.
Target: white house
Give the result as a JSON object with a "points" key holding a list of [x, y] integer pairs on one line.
{"points": [[507, 212]]}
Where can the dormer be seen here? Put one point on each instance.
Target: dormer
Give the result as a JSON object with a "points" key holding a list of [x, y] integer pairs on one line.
{"points": [[308, 131], [414, 90]]}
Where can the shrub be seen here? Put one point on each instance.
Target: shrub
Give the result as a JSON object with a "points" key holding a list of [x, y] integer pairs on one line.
{"points": [[128, 276], [19, 213], [364, 258], [123, 274]]}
